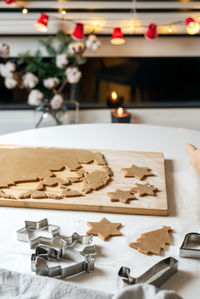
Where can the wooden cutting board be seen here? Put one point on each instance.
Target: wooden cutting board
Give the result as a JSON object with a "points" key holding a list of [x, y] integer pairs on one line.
{"points": [[98, 201]]}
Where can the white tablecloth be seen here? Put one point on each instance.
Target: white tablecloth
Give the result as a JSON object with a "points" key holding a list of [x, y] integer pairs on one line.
{"points": [[183, 187]]}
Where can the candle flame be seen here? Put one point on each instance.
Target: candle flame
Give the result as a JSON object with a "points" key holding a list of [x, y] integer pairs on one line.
{"points": [[120, 111], [114, 95]]}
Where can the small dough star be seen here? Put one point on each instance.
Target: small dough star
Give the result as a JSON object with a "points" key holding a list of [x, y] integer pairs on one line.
{"points": [[137, 172], [144, 189], [122, 196], [104, 229]]}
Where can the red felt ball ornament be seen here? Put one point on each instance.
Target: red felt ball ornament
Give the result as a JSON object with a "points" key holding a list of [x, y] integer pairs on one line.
{"points": [[151, 32], [9, 1], [78, 32], [117, 37], [42, 23]]}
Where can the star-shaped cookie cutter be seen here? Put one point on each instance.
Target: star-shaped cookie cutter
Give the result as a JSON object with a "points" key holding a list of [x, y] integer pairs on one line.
{"points": [[24, 235], [186, 249], [156, 275], [83, 261]]}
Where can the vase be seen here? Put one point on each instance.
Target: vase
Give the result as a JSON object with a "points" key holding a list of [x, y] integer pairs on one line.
{"points": [[46, 116]]}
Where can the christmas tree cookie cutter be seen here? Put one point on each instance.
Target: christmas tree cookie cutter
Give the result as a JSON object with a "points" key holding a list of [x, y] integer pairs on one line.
{"points": [[83, 261], [26, 235], [156, 275], [187, 248]]}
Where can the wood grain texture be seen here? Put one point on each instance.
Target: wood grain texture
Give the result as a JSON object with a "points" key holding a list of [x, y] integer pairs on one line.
{"points": [[98, 201]]}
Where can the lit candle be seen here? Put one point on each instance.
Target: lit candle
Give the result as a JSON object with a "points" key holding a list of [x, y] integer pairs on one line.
{"points": [[114, 101], [120, 115]]}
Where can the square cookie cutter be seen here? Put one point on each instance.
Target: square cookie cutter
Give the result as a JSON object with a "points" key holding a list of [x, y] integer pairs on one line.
{"points": [[83, 261], [156, 275], [186, 250]]}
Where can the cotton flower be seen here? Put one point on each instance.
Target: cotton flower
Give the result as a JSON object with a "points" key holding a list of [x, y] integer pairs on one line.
{"points": [[73, 74], [75, 48], [10, 66], [29, 80], [35, 97], [92, 42], [51, 83], [61, 60], [56, 101], [1, 68], [7, 69], [4, 50], [10, 82]]}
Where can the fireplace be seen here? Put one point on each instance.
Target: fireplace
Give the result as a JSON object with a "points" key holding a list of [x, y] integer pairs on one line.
{"points": [[142, 81]]}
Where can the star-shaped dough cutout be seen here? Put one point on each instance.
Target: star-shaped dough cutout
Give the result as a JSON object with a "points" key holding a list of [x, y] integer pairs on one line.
{"points": [[137, 172], [104, 229], [122, 196], [144, 189]]}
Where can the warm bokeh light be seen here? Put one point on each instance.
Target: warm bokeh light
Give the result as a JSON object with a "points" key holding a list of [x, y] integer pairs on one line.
{"points": [[24, 11], [63, 12], [113, 95], [120, 111], [170, 29]]}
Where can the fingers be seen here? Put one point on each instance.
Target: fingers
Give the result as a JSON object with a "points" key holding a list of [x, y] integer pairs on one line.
{"points": [[190, 149]]}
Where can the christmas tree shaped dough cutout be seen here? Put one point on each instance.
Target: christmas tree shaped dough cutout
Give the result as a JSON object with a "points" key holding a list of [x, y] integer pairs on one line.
{"points": [[153, 241], [104, 229], [137, 172], [144, 189], [122, 196]]}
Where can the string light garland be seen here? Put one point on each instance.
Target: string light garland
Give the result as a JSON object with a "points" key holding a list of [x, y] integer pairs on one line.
{"points": [[42, 23], [192, 25], [117, 37], [151, 32], [78, 33], [9, 1]]}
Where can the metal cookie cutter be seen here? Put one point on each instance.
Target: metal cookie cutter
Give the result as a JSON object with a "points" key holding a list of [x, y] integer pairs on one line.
{"points": [[186, 249], [84, 262], [26, 234], [156, 275], [76, 238]]}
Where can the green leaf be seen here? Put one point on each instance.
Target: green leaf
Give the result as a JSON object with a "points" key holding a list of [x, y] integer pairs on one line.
{"points": [[31, 68], [82, 60]]}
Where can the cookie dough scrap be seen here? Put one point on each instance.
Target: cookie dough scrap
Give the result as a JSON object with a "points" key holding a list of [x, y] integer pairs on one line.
{"points": [[122, 196], [5, 195], [137, 172], [53, 181], [54, 196], [70, 193], [153, 241], [144, 189], [95, 180], [104, 229], [35, 194]]}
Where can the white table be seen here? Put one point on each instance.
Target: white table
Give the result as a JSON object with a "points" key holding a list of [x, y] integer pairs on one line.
{"points": [[183, 188], [17, 120]]}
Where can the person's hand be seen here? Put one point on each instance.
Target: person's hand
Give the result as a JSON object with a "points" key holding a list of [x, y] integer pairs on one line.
{"points": [[194, 154]]}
